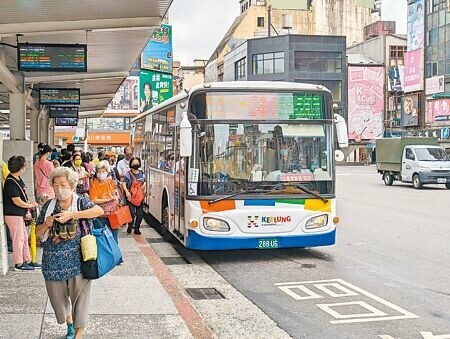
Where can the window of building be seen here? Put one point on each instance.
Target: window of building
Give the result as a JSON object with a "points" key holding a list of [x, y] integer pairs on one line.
{"points": [[330, 62], [268, 63], [240, 69], [434, 69], [396, 55], [260, 21]]}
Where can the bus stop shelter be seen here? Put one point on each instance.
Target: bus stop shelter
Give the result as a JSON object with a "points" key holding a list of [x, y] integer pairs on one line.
{"points": [[115, 32]]}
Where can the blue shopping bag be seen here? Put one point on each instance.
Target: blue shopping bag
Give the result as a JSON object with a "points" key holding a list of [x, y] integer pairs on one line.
{"points": [[108, 251]]}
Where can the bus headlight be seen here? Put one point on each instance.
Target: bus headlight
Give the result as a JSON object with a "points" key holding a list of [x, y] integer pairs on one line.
{"points": [[317, 221], [217, 225]]}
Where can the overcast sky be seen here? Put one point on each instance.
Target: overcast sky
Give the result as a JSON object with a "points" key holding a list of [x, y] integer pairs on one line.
{"points": [[199, 25]]}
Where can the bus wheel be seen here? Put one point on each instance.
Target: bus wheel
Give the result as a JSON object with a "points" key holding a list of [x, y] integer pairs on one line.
{"points": [[447, 185], [167, 236], [388, 179], [416, 181]]}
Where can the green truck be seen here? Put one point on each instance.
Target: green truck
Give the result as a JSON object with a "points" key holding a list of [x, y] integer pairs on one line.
{"points": [[415, 160]]}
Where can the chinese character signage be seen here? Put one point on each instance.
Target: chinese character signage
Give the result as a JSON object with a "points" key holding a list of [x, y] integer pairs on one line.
{"points": [[396, 78], [155, 87], [365, 102], [439, 111], [410, 110], [413, 71], [416, 25], [126, 98], [157, 55], [434, 85]]}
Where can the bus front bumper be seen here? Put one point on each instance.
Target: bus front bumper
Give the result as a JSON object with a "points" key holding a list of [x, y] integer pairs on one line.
{"points": [[197, 241]]}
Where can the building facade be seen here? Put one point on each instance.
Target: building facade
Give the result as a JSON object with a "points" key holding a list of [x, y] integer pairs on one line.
{"points": [[309, 59]]}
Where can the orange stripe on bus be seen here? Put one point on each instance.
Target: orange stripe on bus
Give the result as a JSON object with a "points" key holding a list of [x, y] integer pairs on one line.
{"points": [[219, 206]]}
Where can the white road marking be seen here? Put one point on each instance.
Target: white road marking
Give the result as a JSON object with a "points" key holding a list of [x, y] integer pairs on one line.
{"points": [[429, 335], [349, 291]]}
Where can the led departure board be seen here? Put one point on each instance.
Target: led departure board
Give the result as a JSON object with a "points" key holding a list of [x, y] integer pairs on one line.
{"points": [[66, 122], [63, 112], [59, 96], [263, 106], [33, 57]]}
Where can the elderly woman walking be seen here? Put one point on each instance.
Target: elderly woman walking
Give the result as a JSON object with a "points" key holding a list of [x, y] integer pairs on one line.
{"points": [[67, 290]]}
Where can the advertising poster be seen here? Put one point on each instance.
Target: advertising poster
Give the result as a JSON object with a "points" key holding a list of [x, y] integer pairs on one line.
{"points": [[434, 85], [438, 111], [413, 71], [396, 78], [155, 87], [410, 110], [365, 102], [157, 55], [416, 21], [126, 98]]}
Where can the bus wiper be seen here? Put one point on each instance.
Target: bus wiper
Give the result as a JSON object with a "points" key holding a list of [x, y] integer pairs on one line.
{"points": [[300, 186], [233, 195]]}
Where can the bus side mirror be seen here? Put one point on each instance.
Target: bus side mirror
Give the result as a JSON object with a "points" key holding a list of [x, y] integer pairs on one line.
{"points": [[341, 131], [185, 136]]}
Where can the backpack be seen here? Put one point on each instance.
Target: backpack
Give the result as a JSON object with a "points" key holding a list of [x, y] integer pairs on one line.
{"points": [[136, 191]]}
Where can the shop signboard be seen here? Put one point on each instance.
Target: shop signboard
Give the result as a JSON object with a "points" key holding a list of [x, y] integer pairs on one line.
{"points": [[439, 111], [365, 102], [410, 110], [396, 79], [434, 85], [416, 22], [413, 71]]}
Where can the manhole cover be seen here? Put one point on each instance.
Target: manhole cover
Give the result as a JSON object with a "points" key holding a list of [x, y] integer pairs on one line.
{"points": [[204, 293], [175, 260], [155, 240]]}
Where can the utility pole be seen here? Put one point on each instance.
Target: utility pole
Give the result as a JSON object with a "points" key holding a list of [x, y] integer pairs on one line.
{"points": [[269, 20]]}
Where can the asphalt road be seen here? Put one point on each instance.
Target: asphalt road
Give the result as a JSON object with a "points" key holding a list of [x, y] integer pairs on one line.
{"points": [[388, 276]]}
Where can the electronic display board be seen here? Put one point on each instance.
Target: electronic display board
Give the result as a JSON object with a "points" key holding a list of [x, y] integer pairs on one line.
{"points": [[66, 122], [63, 112], [264, 106], [34, 57], [59, 96]]}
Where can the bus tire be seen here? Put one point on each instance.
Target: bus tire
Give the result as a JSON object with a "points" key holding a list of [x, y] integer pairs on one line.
{"points": [[388, 179], [417, 184], [447, 185], [165, 232]]}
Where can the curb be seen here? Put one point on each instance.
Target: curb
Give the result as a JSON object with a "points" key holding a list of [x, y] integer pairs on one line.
{"points": [[191, 317]]}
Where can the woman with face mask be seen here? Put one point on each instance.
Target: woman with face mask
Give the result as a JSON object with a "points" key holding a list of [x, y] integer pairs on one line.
{"points": [[137, 212], [15, 207], [83, 181], [103, 191], [67, 290], [42, 169]]}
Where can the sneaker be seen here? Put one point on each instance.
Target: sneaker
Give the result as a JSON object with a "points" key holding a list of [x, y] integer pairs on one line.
{"points": [[23, 267], [70, 331], [36, 265], [137, 232]]}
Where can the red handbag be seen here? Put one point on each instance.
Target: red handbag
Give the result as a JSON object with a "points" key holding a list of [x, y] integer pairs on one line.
{"points": [[119, 217]]}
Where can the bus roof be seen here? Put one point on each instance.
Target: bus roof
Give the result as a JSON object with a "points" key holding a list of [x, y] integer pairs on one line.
{"points": [[233, 85]]}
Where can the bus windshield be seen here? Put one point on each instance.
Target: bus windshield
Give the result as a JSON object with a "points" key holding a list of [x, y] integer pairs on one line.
{"points": [[232, 157]]}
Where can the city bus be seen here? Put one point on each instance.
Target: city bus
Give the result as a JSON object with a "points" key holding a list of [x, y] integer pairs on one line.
{"points": [[242, 165]]}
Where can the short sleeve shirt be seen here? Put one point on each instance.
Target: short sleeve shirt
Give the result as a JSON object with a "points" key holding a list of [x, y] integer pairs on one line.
{"points": [[62, 261], [12, 190], [128, 179]]}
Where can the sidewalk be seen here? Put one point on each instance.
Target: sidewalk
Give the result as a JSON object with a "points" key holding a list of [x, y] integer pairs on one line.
{"points": [[139, 299]]}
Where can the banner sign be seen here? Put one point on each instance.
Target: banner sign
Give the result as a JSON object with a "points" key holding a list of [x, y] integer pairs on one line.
{"points": [[438, 111], [434, 85], [410, 110], [157, 55], [416, 25], [365, 102], [396, 78], [126, 98], [413, 71], [155, 87]]}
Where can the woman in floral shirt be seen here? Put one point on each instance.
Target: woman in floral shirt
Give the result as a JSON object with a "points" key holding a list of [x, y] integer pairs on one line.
{"points": [[61, 258]]}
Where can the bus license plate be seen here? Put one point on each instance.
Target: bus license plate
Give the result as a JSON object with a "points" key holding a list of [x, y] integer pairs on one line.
{"points": [[268, 243], [442, 181]]}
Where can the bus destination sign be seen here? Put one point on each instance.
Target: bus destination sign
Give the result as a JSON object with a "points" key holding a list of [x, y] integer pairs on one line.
{"points": [[266, 106], [33, 57], [59, 96]]}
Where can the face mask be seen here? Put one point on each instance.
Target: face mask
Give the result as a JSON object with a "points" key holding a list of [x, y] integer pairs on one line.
{"points": [[78, 162], [49, 157], [135, 166], [102, 176], [63, 194]]}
